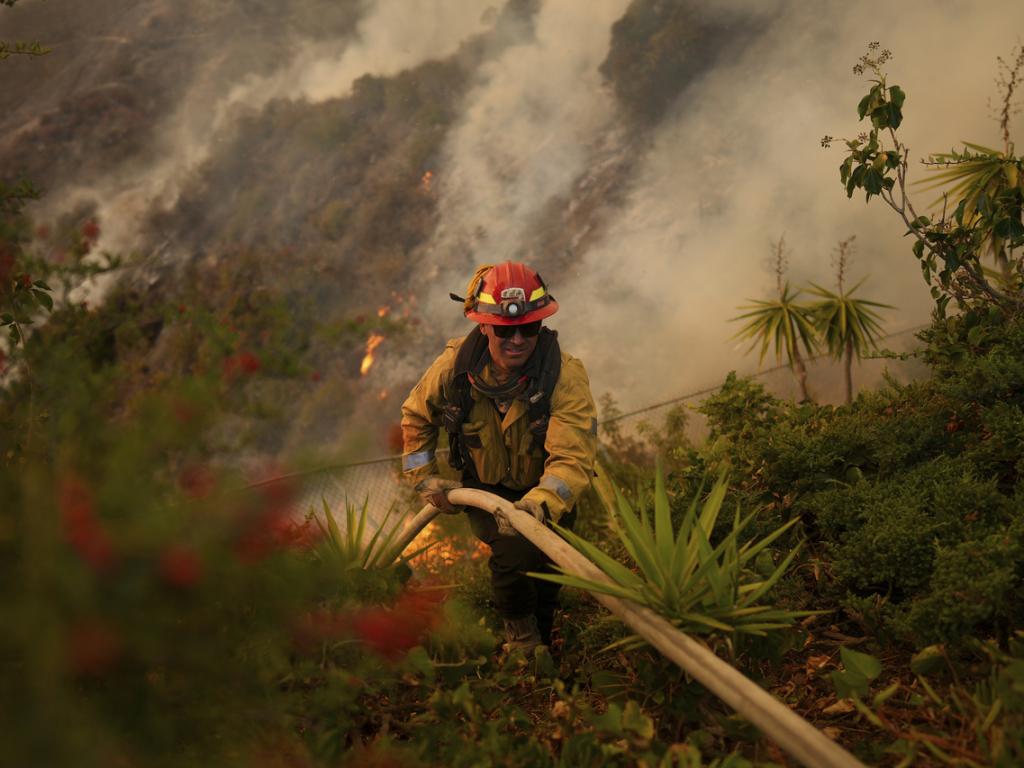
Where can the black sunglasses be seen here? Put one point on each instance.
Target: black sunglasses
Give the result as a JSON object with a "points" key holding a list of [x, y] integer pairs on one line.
{"points": [[528, 330]]}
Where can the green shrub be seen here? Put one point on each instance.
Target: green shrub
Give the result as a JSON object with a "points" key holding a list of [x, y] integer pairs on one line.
{"points": [[975, 585]]}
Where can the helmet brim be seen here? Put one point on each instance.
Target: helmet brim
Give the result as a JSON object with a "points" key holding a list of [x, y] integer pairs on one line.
{"points": [[530, 317]]}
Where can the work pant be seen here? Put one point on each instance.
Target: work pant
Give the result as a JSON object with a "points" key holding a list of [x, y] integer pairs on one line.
{"points": [[517, 595]]}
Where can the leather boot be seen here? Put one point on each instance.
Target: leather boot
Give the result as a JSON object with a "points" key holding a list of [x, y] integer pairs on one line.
{"points": [[522, 635]]}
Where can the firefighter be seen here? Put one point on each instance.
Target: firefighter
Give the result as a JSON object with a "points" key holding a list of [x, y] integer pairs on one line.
{"points": [[521, 423]]}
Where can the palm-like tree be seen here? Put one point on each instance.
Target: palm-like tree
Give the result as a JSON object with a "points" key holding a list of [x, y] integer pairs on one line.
{"points": [[847, 326], [785, 324]]}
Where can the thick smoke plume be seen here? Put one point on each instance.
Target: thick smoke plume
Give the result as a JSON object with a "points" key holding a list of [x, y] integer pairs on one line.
{"points": [[651, 232], [735, 165]]}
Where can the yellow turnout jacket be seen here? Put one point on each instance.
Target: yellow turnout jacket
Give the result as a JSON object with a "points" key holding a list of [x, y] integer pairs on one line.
{"points": [[507, 455]]}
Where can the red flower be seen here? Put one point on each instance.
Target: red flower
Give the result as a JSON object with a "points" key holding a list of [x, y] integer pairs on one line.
{"points": [[241, 363], [386, 632], [181, 309], [43, 232], [82, 528], [197, 480], [93, 648], [392, 632], [314, 627], [269, 526], [304, 535], [91, 230], [180, 567]]}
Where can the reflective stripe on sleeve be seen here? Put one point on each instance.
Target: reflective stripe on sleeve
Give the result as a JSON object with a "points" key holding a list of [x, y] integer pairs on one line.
{"points": [[557, 486], [416, 460]]}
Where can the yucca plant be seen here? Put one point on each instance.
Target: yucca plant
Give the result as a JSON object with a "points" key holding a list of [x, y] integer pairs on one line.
{"points": [[783, 322], [848, 327], [699, 587], [348, 549], [987, 188]]}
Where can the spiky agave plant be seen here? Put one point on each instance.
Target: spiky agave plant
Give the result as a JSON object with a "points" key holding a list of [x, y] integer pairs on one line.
{"points": [[698, 587], [348, 549]]}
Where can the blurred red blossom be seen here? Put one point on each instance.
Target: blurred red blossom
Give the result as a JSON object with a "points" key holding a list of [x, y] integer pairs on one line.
{"points": [[93, 647], [197, 480], [315, 627], [91, 230], [267, 522], [238, 364], [391, 632], [82, 527], [180, 567]]}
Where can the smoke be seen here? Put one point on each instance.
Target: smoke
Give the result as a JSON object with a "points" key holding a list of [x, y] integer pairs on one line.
{"points": [[529, 128], [738, 163], [395, 35], [391, 36]]}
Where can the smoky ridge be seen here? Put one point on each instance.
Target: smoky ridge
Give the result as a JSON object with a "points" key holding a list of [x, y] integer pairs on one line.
{"points": [[357, 160]]}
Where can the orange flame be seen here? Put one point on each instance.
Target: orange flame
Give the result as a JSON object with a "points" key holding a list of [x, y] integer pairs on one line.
{"points": [[372, 343], [382, 395], [383, 311], [426, 181], [445, 551]]}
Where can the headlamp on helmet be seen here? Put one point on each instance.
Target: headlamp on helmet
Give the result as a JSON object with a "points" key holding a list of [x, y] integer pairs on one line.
{"points": [[508, 294]]}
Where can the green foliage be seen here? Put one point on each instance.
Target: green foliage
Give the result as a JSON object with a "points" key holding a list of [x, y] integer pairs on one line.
{"points": [[739, 408], [859, 670], [350, 549], [911, 495], [21, 48], [846, 323], [974, 583], [668, 439], [982, 187], [14, 196], [987, 716], [782, 323], [699, 587]]}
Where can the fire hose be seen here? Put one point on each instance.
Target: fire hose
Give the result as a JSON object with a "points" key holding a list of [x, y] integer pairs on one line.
{"points": [[786, 728]]}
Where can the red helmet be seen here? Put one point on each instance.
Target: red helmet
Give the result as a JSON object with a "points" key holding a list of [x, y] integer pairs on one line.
{"points": [[509, 294]]}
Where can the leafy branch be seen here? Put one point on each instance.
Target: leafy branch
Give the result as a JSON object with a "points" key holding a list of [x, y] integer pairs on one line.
{"points": [[21, 48], [13, 197], [987, 193]]}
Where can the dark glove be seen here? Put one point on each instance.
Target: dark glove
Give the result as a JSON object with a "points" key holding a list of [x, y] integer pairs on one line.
{"points": [[434, 490]]}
